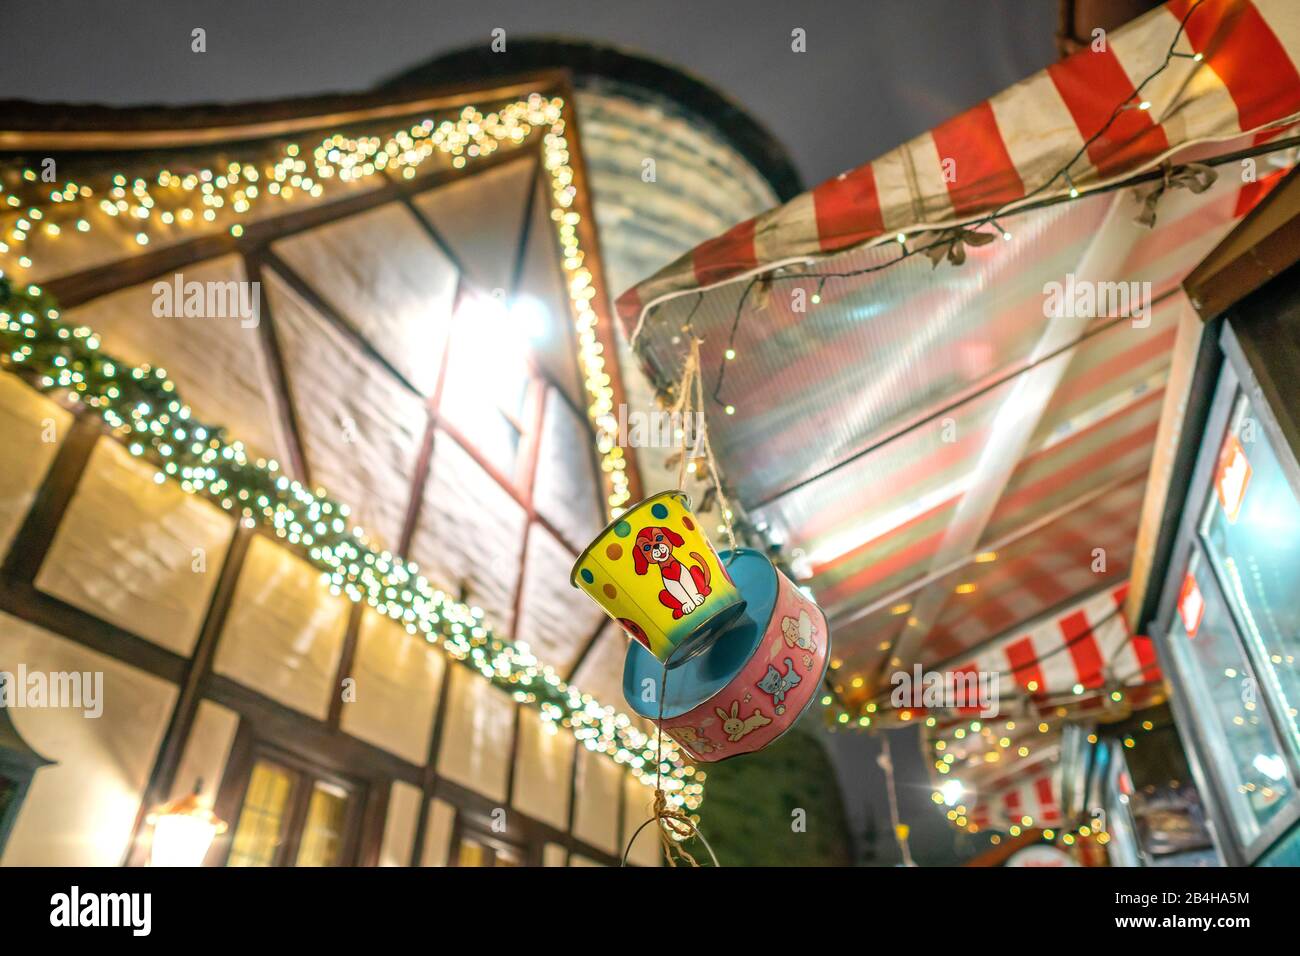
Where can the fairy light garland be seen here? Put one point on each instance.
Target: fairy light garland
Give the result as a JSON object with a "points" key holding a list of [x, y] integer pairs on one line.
{"points": [[141, 406], [169, 201]]}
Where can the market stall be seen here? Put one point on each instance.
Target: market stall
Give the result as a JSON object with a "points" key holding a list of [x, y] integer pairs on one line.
{"points": [[933, 383]]}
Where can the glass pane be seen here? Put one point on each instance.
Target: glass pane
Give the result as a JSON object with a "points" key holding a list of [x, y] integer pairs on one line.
{"points": [[486, 386], [472, 853], [322, 833], [508, 858], [1252, 533], [1243, 749], [261, 820]]}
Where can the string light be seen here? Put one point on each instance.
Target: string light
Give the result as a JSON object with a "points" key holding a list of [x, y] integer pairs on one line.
{"points": [[949, 238], [167, 199], [141, 406]]}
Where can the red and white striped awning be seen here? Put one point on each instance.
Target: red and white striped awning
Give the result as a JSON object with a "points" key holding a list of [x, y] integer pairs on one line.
{"points": [[939, 459], [1002, 151], [1081, 662], [1036, 800]]}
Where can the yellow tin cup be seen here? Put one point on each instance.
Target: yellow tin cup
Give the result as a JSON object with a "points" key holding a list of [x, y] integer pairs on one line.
{"points": [[654, 572]]}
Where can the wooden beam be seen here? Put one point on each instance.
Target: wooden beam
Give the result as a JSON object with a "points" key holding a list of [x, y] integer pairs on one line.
{"points": [[1263, 245], [290, 427], [429, 773], [347, 657], [67, 127], [32, 542], [340, 323], [162, 778], [587, 648], [22, 600], [313, 739], [80, 287]]}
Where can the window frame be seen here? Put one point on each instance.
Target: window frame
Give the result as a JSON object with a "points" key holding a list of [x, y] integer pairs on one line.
{"points": [[1236, 379], [306, 773], [479, 826]]}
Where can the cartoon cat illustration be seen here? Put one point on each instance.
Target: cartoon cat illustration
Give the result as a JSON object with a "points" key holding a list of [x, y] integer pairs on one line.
{"points": [[776, 683]]}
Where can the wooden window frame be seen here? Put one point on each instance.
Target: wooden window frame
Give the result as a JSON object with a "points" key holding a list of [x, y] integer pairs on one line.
{"points": [[479, 826], [234, 791]]}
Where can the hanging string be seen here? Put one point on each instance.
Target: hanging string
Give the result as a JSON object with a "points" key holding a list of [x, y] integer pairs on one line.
{"points": [[683, 408], [900, 831], [689, 403], [945, 243], [672, 823]]}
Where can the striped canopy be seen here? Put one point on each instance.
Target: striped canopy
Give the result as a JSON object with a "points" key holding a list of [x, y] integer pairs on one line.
{"points": [[1079, 666], [946, 453]]}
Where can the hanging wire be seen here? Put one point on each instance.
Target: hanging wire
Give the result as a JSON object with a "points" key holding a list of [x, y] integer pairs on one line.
{"points": [[673, 823], [1134, 99]]}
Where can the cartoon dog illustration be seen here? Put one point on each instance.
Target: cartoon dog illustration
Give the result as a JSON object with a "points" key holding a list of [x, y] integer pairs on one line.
{"points": [[799, 632], [685, 586], [635, 631]]}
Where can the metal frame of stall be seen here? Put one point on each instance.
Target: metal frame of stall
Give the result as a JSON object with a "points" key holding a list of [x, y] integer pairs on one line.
{"points": [[1245, 346]]}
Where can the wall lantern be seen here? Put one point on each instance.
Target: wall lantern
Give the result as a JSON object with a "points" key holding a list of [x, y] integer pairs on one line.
{"points": [[18, 764], [183, 830]]}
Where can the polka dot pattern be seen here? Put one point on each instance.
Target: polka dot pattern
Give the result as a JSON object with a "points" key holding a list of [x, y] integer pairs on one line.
{"points": [[610, 591], [587, 575], [659, 510], [622, 529], [614, 551], [688, 524]]}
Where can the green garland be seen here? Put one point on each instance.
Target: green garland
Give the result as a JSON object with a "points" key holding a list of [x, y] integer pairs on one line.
{"points": [[142, 407]]}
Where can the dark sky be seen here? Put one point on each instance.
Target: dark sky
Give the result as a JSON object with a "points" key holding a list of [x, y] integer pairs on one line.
{"points": [[876, 73]]}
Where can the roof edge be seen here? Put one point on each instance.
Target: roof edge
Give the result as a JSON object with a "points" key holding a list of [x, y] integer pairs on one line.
{"points": [[760, 148]]}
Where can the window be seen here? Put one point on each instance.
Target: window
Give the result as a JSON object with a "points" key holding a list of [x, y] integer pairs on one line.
{"points": [[1251, 531], [294, 816], [476, 845], [1241, 745], [260, 830], [487, 393]]}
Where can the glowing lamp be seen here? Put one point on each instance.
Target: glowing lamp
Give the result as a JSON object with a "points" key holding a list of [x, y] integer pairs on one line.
{"points": [[183, 830]]}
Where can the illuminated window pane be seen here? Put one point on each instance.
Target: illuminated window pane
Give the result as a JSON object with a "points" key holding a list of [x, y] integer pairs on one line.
{"points": [[485, 391], [1252, 533], [1243, 750], [261, 821], [473, 853], [507, 858], [322, 834]]}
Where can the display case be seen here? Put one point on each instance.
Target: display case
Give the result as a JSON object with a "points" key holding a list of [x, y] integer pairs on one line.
{"points": [[1228, 625]]}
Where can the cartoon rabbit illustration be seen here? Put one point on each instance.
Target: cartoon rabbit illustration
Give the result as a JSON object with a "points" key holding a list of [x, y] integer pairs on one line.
{"points": [[734, 727]]}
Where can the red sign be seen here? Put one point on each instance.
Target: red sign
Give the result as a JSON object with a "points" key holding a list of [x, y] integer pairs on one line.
{"points": [[1232, 478], [1191, 605]]}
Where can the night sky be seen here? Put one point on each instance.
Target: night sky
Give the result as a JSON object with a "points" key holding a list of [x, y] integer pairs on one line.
{"points": [[877, 72]]}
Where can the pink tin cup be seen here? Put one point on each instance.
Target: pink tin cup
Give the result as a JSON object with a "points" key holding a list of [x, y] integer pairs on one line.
{"points": [[752, 684]]}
